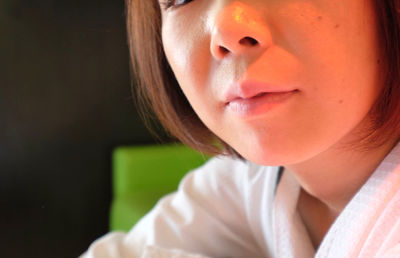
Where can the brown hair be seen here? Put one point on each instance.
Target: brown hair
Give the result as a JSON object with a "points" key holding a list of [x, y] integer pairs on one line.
{"points": [[386, 112], [157, 88]]}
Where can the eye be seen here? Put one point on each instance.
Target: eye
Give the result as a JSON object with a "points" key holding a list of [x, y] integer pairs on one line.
{"points": [[166, 4]]}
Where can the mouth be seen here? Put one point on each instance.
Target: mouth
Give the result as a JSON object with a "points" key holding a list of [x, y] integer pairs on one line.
{"points": [[246, 90], [250, 99], [259, 104]]}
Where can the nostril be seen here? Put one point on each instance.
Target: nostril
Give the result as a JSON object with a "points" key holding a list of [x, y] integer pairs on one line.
{"points": [[241, 46], [248, 41], [223, 50]]}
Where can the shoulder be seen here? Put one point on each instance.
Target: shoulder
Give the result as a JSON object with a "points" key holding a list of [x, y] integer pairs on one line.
{"points": [[221, 169], [226, 179], [207, 215]]}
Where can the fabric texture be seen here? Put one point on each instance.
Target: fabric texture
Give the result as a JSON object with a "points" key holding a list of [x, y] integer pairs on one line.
{"points": [[158, 252], [229, 208]]}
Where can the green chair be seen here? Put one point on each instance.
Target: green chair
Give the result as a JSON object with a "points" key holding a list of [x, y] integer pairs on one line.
{"points": [[142, 175]]}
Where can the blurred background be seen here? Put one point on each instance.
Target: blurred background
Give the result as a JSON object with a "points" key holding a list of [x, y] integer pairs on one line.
{"points": [[65, 103]]}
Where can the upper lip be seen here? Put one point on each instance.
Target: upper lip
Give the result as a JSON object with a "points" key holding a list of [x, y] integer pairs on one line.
{"points": [[248, 89]]}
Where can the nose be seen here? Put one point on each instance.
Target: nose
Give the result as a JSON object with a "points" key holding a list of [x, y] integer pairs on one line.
{"points": [[237, 30]]}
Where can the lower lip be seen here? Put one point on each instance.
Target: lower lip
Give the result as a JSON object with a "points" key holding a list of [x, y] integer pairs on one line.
{"points": [[259, 104]]}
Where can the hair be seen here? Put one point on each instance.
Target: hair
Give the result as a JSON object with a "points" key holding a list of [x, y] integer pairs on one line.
{"points": [[158, 92]]}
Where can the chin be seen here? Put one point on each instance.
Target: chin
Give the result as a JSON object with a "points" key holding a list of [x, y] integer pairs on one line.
{"points": [[279, 155], [264, 157]]}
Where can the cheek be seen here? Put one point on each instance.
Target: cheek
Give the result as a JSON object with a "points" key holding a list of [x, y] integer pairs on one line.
{"points": [[339, 52], [188, 53]]}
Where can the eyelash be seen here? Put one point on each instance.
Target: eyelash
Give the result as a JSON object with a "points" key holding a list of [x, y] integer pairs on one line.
{"points": [[166, 4]]}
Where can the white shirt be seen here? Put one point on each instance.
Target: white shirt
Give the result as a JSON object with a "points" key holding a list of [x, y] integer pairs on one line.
{"points": [[229, 208]]}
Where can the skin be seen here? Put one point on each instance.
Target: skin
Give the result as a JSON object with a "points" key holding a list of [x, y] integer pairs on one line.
{"points": [[327, 52]]}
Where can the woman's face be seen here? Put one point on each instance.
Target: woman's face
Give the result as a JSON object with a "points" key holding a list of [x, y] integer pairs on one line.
{"points": [[279, 81]]}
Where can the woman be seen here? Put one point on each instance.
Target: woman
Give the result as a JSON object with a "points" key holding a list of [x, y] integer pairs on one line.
{"points": [[308, 90]]}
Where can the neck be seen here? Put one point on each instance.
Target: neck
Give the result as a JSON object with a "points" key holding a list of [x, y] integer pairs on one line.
{"points": [[337, 174], [328, 183]]}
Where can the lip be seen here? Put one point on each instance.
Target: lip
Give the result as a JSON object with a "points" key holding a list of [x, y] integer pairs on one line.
{"points": [[249, 99], [248, 89]]}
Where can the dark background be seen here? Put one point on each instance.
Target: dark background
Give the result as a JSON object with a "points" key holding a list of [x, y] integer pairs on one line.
{"points": [[65, 103]]}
